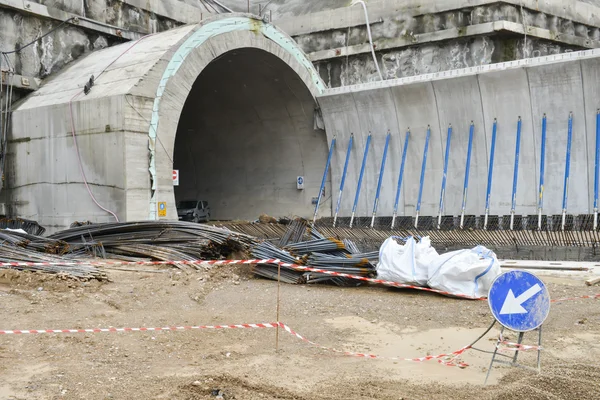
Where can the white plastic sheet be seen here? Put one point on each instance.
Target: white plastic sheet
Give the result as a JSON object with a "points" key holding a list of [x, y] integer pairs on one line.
{"points": [[407, 263], [465, 272], [469, 272]]}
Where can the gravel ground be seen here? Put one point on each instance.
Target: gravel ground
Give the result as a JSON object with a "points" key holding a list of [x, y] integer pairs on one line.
{"points": [[244, 364]]}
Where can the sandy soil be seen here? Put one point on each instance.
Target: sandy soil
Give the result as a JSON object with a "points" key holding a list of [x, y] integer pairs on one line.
{"points": [[243, 364]]}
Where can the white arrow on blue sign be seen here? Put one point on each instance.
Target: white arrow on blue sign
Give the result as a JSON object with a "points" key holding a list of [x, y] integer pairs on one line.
{"points": [[519, 300]]}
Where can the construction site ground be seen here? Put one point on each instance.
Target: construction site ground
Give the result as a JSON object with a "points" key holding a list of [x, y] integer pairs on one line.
{"points": [[243, 363]]}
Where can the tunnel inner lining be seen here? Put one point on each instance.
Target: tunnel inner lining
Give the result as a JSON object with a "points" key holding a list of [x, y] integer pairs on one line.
{"points": [[246, 133]]}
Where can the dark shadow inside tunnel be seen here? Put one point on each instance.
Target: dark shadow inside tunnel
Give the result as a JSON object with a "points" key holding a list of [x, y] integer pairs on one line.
{"points": [[246, 133]]}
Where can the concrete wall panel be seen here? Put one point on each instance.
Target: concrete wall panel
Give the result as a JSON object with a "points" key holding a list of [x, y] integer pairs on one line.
{"points": [[459, 102], [378, 116], [590, 70], [416, 109], [341, 120], [556, 90], [505, 96]]}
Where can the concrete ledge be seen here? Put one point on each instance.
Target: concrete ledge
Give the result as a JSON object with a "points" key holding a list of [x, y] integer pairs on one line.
{"points": [[342, 18], [454, 33], [20, 81], [546, 60]]}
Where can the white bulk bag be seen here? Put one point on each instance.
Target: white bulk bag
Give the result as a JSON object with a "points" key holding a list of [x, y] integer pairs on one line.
{"points": [[408, 263], [470, 272]]}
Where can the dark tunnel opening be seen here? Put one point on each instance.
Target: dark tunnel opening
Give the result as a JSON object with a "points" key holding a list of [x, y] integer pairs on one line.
{"points": [[246, 133]]}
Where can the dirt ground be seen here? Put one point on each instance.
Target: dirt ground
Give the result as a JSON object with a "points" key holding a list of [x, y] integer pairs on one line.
{"points": [[243, 363]]}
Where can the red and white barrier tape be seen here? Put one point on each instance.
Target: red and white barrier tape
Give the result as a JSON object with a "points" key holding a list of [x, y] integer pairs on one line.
{"points": [[445, 359], [511, 346], [378, 281], [168, 328]]}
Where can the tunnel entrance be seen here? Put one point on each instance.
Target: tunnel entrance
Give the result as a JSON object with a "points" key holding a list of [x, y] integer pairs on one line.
{"points": [[246, 133]]}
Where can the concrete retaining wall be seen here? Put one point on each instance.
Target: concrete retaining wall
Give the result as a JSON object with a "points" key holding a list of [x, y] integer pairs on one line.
{"points": [[504, 91]]}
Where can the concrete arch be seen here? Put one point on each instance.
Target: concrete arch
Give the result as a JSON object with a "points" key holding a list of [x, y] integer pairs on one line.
{"points": [[126, 126], [206, 43]]}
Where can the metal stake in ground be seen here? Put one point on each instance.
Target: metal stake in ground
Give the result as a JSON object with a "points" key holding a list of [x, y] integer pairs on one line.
{"points": [[278, 322], [520, 302]]}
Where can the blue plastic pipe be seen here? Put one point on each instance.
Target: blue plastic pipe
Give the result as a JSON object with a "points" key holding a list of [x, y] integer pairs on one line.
{"points": [[381, 171], [339, 200], [360, 178], [513, 205], [467, 170], [445, 175], [567, 172], [542, 171], [422, 179], [596, 170], [324, 180], [400, 177], [488, 194]]}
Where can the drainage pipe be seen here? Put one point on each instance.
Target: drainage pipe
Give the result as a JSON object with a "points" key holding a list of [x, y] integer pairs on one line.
{"points": [[422, 179], [445, 175], [516, 175], [381, 171], [488, 194], [400, 178], [567, 172], [324, 180], [360, 178], [339, 201], [467, 169]]}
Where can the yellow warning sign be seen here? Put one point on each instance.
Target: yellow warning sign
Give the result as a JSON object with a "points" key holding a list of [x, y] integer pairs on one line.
{"points": [[162, 209]]}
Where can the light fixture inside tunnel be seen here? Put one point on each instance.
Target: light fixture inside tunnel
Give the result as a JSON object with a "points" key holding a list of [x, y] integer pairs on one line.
{"points": [[244, 137]]}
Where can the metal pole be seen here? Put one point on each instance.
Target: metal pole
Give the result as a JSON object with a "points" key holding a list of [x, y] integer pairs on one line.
{"points": [[400, 178], [324, 180], [278, 301], [381, 171], [596, 170], [422, 179], [542, 170], [445, 175], [360, 178], [467, 169], [248, 6], [539, 352], [488, 194], [339, 201], [516, 175], [567, 172]]}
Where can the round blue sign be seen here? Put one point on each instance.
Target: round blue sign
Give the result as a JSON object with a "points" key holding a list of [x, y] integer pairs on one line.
{"points": [[162, 206], [300, 180], [519, 300]]}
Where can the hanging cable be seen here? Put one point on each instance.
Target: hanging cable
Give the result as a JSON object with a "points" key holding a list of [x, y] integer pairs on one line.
{"points": [[354, 2], [41, 37]]}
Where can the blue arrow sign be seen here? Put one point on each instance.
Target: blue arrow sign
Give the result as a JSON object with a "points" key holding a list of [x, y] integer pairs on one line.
{"points": [[519, 300], [300, 180]]}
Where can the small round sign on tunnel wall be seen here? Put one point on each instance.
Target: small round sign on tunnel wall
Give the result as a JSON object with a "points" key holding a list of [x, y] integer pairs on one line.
{"points": [[175, 177]]}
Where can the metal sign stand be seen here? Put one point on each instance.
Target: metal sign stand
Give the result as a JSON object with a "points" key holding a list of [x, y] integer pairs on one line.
{"points": [[520, 302], [513, 362]]}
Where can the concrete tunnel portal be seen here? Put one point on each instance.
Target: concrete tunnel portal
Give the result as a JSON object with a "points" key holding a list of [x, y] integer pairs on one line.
{"points": [[245, 134]]}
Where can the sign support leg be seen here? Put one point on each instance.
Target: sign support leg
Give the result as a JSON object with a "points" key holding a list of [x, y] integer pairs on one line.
{"points": [[519, 341], [493, 357], [539, 355]]}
